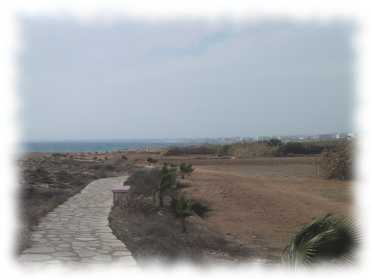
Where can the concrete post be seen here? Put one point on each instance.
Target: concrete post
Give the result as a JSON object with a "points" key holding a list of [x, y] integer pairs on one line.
{"points": [[120, 195]]}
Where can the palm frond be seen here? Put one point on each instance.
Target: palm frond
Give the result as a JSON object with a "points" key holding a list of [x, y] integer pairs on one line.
{"points": [[327, 238]]}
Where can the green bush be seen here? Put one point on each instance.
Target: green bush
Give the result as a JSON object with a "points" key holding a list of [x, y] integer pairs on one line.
{"points": [[144, 182], [188, 150], [123, 157], [200, 208], [224, 150], [182, 208], [308, 148], [253, 149], [186, 169], [167, 182], [152, 160], [274, 142]]}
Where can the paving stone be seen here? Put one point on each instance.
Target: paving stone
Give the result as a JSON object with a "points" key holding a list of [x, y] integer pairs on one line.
{"points": [[86, 238], [40, 250], [121, 253], [64, 254], [35, 257], [83, 253], [78, 232], [102, 258]]}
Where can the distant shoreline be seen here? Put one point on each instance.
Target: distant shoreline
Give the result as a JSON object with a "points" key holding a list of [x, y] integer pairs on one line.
{"points": [[92, 147], [139, 145]]}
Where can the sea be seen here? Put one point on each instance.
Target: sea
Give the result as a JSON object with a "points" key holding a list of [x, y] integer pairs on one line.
{"points": [[90, 146]]}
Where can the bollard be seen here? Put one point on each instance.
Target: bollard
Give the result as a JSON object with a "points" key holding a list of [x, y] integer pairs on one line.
{"points": [[120, 195]]}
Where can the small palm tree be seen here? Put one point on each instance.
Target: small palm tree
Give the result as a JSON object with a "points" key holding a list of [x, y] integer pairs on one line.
{"points": [[183, 209], [168, 181], [326, 238], [186, 169], [152, 160]]}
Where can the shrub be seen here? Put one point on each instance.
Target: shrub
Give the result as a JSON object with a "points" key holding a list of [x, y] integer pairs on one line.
{"points": [[108, 167], [325, 239], [165, 169], [187, 150], [167, 182], [307, 148], [274, 142], [292, 148], [39, 175], [63, 176], [144, 182], [253, 149], [200, 208], [224, 150], [337, 163], [182, 209], [123, 157], [57, 155], [152, 160], [186, 169], [182, 184]]}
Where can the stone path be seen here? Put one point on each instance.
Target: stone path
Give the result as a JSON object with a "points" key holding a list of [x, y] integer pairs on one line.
{"points": [[78, 232]]}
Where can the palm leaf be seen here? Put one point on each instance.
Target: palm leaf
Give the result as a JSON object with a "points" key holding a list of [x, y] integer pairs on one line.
{"points": [[325, 239]]}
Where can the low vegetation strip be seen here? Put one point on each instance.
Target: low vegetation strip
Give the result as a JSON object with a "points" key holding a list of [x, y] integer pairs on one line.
{"points": [[155, 231], [268, 148], [334, 157]]}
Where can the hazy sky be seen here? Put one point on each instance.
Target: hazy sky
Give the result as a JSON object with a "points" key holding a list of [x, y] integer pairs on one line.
{"points": [[148, 79]]}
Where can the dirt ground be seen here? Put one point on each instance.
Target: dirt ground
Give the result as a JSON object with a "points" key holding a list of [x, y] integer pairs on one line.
{"points": [[257, 204], [263, 204]]}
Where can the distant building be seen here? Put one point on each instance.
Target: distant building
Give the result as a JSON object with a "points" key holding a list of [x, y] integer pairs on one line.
{"points": [[327, 136], [350, 136]]}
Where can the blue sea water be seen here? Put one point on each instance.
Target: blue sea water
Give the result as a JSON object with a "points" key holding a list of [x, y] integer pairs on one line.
{"points": [[88, 146]]}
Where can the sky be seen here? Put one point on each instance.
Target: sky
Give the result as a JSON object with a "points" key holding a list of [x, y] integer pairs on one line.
{"points": [[135, 78]]}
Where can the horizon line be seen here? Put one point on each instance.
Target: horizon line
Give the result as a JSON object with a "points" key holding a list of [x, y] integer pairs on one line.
{"points": [[175, 138]]}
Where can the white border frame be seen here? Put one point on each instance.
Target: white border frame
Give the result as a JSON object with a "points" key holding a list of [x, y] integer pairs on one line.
{"points": [[210, 9]]}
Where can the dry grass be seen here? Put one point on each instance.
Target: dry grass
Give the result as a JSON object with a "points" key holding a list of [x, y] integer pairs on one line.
{"points": [[263, 205]]}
